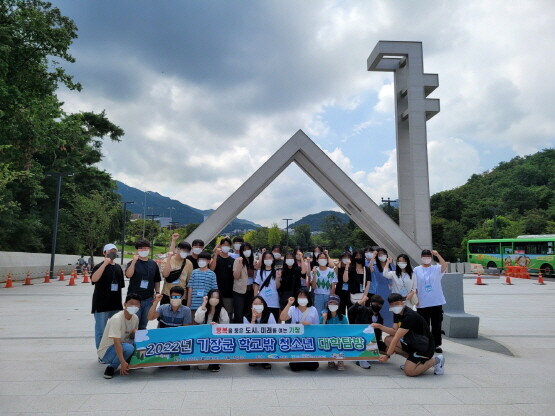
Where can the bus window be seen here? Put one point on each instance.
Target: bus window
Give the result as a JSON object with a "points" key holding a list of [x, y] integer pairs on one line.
{"points": [[507, 248], [535, 247], [484, 248]]}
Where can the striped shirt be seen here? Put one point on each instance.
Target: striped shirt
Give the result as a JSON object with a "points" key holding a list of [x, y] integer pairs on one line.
{"points": [[168, 317], [201, 283]]}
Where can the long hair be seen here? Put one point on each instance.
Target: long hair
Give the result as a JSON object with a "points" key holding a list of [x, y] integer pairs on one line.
{"points": [[338, 312], [353, 263], [248, 262], [217, 308], [378, 262], [303, 291], [263, 266], [314, 259], [408, 269], [265, 313]]}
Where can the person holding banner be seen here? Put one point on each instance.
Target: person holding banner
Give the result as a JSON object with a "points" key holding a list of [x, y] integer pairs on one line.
{"points": [[116, 346], [201, 282], [334, 316], [212, 311], [411, 338], [301, 311], [267, 283], [259, 314], [365, 312], [172, 314]]}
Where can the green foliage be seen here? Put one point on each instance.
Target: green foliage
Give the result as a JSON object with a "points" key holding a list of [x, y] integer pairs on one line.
{"points": [[274, 235], [150, 229], [302, 237]]}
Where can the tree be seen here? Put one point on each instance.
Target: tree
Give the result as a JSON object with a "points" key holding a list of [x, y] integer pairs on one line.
{"points": [[150, 228], [302, 236], [335, 232], [274, 235]]}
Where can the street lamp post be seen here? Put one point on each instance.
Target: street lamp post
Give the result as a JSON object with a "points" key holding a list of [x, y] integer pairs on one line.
{"points": [[287, 231], [58, 176], [123, 228], [152, 218]]}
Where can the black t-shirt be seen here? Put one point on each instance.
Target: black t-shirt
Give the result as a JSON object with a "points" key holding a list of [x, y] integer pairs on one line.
{"points": [[290, 279], [104, 299], [224, 275], [193, 260], [419, 338], [144, 271]]}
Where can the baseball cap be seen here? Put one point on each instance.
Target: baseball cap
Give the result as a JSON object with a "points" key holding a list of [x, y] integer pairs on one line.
{"points": [[109, 246]]}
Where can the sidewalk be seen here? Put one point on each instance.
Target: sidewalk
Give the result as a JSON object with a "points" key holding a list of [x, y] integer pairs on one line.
{"points": [[48, 365]]}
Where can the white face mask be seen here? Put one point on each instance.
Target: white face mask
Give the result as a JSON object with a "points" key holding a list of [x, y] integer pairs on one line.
{"points": [[277, 256], [202, 263], [333, 308], [144, 253], [183, 254], [345, 260], [197, 250], [268, 262], [237, 246], [426, 260], [132, 309], [323, 262], [258, 308], [290, 262], [396, 309], [368, 255], [382, 258], [402, 265], [302, 301], [213, 301], [175, 302], [225, 249], [247, 253]]}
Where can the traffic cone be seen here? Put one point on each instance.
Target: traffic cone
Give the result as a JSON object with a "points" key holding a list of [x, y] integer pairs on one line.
{"points": [[72, 281], [508, 280], [47, 277], [9, 282], [62, 277], [540, 279], [85, 277], [479, 280], [27, 280]]}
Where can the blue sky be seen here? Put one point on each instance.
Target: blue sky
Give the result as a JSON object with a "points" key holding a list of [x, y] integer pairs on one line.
{"points": [[207, 90]]}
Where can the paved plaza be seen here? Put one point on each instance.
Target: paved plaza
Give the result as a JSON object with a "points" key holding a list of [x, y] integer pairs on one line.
{"points": [[48, 365]]}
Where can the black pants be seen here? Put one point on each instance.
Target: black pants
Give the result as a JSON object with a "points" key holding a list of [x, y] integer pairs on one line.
{"points": [[345, 301], [275, 312], [238, 307], [434, 316], [298, 366]]}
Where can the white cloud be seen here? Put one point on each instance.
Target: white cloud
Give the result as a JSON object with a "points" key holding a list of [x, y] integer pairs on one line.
{"points": [[386, 104]]}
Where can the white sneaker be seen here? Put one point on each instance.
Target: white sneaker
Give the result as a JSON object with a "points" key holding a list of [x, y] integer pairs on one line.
{"points": [[364, 364], [440, 362]]}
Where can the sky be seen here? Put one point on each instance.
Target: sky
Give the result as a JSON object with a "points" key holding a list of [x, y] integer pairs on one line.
{"points": [[207, 91]]}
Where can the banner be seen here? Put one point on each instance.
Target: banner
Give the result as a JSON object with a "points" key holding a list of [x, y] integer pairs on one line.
{"points": [[213, 344]]}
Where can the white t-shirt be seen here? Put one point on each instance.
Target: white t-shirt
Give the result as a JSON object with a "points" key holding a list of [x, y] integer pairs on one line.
{"points": [[271, 320], [428, 282], [297, 316], [117, 327], [324, 280], [269, 293]]}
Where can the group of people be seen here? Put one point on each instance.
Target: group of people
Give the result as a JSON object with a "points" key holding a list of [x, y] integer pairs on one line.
{"points": [[231, 285]]}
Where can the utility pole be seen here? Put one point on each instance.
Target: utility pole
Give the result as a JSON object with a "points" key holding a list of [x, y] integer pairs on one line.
{"points": [[123, 228], [58, 176], [287, 230], [152, 218]]}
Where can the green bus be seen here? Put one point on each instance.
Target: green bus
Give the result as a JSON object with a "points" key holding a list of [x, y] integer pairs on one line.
{"points": [[535, 252]]}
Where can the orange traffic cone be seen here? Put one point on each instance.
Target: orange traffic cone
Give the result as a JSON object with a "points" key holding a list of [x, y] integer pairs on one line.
{"points": [[85, 277], [62, 277], [508, 280], [46, 277], [9, 282], [479, 280], [72, 281], [540, 279], [27, 280]]}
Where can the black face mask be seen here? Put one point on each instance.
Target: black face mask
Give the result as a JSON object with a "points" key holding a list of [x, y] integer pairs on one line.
{"points": [[112, 256], [359, 261], [376, 308]]}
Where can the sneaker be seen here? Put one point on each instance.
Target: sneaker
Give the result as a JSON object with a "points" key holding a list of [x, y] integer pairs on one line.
{"points": [[331, 364], [364, 364], [439, 350], [402, 367], [214, 367], [440, 362], [267, 366], [185, 367], [109, 372], [252, 364], [340, 366]]}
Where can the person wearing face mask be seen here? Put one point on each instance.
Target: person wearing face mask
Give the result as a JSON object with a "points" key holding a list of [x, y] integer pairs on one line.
{"points": [[144, 279], [107, 279], [380, 285], [202, 280], [302, 264], [198, 247], [267, 281], [212, 312], [173, 314], [334, 316], [237, 243], [299, 310], [324, 280], [430, 292], [356, 279], [365, 312], [176, 270], [222, 265], [117, 345], [243, 278], [290, 279], [259, 314], [402, 279], [278, 257], [410, 337]]}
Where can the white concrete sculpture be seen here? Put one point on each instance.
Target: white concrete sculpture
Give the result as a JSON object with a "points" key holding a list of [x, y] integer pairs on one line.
{"points": [[412, 87]]}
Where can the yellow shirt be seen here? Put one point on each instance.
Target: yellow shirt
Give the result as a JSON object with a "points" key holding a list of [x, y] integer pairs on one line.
{"points": [[117, 327], [175, 264]]}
